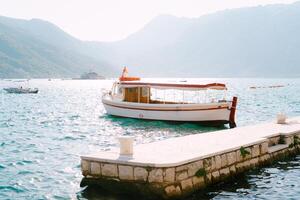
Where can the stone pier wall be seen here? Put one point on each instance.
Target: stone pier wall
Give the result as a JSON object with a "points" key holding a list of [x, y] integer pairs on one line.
{"points": [[178, 181]]}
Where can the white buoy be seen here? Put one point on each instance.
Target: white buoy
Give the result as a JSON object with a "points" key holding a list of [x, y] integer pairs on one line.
{"points": [[281, 118], [126, 145]]}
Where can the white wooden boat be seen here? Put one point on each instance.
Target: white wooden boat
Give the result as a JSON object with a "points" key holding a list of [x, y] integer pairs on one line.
{"points": [[131, 97]]}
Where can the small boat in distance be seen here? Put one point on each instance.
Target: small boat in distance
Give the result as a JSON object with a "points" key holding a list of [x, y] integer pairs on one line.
{"points": [[90, 76], [21, 90], [181, 101]]}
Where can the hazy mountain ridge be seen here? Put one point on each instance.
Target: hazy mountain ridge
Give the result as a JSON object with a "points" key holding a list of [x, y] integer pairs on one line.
{"points": [[258, 41], [35, 48]]}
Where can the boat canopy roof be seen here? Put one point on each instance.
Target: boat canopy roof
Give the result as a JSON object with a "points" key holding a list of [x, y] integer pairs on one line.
{"points": [[176, 85]]}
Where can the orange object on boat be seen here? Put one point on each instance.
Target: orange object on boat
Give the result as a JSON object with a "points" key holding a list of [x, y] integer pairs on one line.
{"points": [[124, 76], [129, 78]]}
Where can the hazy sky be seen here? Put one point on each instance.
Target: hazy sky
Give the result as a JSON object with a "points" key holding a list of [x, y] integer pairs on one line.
{"points": [[108, 20]]}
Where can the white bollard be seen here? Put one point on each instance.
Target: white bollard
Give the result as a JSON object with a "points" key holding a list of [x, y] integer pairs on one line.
{"points": [[126, 145], [281, 118]]}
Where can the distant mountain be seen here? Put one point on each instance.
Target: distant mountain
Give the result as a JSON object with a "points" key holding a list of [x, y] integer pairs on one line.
{"points": [[258, 41], [36, 48]]}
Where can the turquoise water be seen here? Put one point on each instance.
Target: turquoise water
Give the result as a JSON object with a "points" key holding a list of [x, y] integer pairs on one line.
{"points": [[43, 135]]}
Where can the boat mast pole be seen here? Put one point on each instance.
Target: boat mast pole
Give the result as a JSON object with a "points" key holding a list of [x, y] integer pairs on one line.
{"points": [[225, 95], [174, 95], [164, 96], [138, 94], [148, 94], [112, 91]]}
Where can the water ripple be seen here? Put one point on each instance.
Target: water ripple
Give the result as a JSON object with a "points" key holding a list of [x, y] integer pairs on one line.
{"points": [[43, 135]]}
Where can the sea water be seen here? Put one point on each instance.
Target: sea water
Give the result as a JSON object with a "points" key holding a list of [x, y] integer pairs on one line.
{"points": [[43, 135]]}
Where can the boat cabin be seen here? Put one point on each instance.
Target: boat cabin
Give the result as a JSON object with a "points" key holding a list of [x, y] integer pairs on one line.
{"points": [[167, 93]]}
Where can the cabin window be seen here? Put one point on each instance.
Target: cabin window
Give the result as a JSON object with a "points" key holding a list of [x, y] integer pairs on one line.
{"points": [[132, 90], [131, 95], [120, 90], [144, 92]]}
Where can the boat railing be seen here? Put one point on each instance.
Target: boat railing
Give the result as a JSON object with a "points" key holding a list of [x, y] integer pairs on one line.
{"points": [[184, 96]]}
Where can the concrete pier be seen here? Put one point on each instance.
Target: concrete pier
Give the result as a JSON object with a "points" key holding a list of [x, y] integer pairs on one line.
{"points": [[177, 167]]}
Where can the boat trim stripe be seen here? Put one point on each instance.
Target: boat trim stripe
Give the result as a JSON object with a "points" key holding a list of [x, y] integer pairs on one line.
{"points": [[151, 109]]}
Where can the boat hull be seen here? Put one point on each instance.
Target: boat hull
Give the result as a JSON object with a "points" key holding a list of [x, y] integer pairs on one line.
{"points": [[21, 91], [215, 113]]}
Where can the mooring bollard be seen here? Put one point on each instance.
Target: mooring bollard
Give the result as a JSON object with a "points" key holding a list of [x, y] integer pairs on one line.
{"points": [[281, 118], [126, 145]]}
